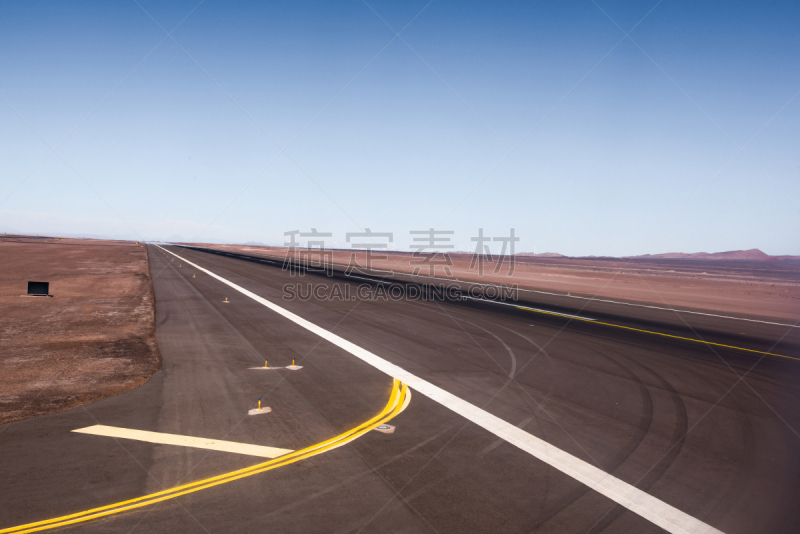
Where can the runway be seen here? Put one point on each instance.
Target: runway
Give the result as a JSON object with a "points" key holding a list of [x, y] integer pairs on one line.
{"points": [[708, 429]]}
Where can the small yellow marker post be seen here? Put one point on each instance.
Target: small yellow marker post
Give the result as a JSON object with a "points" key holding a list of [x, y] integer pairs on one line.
{"points": [[193, 276], [292, 362], [265, 363], [226, 299], [259, 410]]}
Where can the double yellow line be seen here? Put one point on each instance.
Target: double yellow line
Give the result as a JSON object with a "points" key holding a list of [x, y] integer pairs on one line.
{"points": [[398, 401]]}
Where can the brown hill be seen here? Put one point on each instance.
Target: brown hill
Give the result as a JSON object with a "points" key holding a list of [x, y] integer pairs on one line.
{"points": [[752, 254], [541, 255]]}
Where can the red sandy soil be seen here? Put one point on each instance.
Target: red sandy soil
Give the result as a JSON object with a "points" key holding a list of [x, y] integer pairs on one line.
{"points": [[766, 289], [94, 338]]}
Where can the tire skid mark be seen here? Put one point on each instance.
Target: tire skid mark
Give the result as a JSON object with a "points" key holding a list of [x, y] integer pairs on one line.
{"points": [[619, 459], [746, 460], [645, 422], [658, 470]]}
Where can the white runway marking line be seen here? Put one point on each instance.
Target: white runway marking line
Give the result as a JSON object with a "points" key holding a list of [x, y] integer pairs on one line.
{"points": [[532, 309], [654, 510], [184, 441], [595, 299]]}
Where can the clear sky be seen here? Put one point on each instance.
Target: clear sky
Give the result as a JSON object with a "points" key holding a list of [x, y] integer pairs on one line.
{"points": [[252, 119]]}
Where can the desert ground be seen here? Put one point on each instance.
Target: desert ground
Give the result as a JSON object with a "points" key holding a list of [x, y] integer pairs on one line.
{"points": [[758, 288], [94, 337], [627, 393]]}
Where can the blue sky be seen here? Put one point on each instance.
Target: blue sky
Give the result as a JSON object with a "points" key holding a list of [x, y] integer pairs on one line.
{"points": [[260, 118]]}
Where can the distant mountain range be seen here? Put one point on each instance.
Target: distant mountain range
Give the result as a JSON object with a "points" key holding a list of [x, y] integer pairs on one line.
{"points": [[542, 255], [752, 254]]}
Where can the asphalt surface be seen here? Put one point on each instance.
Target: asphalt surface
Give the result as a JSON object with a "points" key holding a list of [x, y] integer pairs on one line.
{"points": [[708, 429]]}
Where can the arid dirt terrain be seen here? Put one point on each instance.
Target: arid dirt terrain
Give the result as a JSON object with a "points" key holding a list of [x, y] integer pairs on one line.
{"points": [[758, 288], [94, 338]]}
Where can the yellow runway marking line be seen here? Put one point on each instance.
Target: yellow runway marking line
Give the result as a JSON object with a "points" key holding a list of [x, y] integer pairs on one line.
{"points": [[593, 321], [398, 401], [637, 501], [184, 441]]}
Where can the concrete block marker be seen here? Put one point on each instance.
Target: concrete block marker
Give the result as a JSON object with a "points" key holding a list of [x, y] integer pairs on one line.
{"points": [[637, 501], [259, 410], [265, 368], [386, 429], [294, 367]]}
